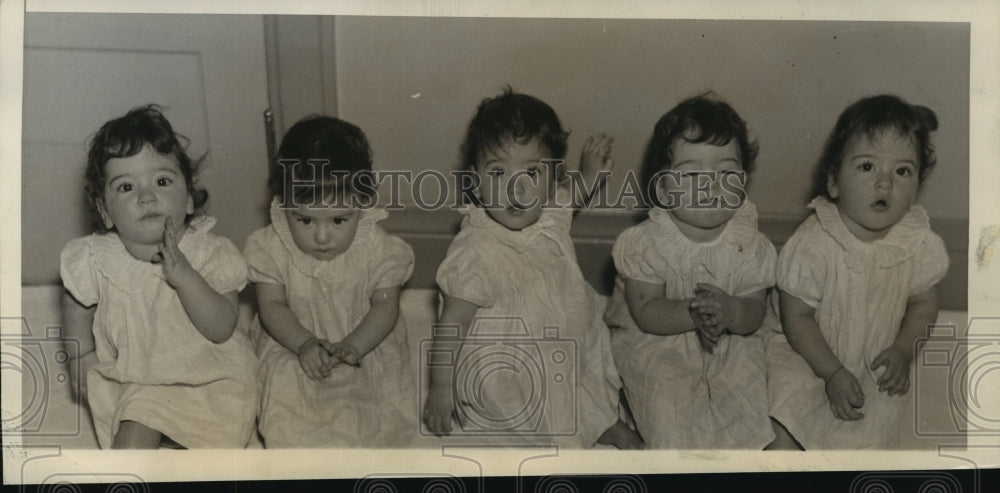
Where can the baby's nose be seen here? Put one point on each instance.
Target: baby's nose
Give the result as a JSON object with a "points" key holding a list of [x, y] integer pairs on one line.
{"points": [[323, 235], [884, 182], [146, 196]]}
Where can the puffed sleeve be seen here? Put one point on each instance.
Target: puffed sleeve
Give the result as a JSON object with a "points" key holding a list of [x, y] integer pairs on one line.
{"points": [[394, 262], [757, 272], [930, 263], [635, 255], [259, 255], [78, 270], [462, 274], [223, 269], [802, 264]]}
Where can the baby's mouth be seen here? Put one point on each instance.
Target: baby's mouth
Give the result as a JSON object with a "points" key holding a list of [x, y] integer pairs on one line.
{"points": [[516, 210], [880, 205]]}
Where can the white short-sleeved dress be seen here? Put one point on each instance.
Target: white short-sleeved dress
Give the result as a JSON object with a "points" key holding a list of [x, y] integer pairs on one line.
{"points": [[681, 396], [373, 405], [536, 367], [154, 366], [859, 291]]}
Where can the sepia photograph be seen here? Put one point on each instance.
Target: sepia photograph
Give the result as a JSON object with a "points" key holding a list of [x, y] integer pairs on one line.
{"points": [[385, 241]]}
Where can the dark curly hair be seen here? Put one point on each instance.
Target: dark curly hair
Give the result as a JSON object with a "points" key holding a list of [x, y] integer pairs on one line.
{"points": [[321, 157], [701, 119], [512, 117], [125, 137], [868, 117]]}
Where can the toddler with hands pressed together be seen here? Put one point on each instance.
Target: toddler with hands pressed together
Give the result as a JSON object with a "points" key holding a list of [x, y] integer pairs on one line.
{"points": [[334, 367], [857, 284], [692, 287], [151, 299], [513, 267]]}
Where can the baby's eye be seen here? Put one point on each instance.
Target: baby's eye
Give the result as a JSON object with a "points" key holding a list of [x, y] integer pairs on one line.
{"points": [[339, 220], [163, 181], [495, 172], [904, 171], [866, 166], [124, 187], [305, 220]]}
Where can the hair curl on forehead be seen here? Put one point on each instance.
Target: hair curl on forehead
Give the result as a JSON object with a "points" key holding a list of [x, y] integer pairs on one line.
{"points": [[869, 117], [508, 118], [128, 135], [320, 157]]}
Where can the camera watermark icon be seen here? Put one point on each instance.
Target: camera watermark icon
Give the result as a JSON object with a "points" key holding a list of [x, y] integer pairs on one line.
{"points": [[890, 482], [618, 483], [71, 483], [42, 366], [394, 483], [505, 380], [963, 369]]}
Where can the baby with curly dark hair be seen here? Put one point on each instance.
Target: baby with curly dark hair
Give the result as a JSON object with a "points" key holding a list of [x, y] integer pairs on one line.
{"points": [[857, 283], [151, 299]]}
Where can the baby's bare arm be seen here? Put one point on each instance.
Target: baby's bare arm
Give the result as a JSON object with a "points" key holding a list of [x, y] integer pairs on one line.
{"points": [[843, 390], [798, 320], [653, 312], [440, 403], [278, 319], [377, 323], [78, 337], [742, 314], [921, 311], [214, 314]]}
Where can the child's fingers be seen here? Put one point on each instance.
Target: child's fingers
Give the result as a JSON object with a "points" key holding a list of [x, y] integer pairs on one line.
{"points": [[902, 386], [168, 234], [710, 288], [852, 414], [880, 360], [165, 255], [324, 358], [888, 377], [857, 397], [328, 346]]}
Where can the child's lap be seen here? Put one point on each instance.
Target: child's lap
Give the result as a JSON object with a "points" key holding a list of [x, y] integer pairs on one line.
{"points": [[798, 400]]}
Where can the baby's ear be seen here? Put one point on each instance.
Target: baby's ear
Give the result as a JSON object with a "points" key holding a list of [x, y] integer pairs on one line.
{"points": [[102, 209], [831, 185]]}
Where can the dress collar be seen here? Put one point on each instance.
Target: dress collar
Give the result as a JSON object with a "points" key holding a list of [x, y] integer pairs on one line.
{"points": [[324, 269], [549, 228], [128, 273], [735, 244], [898, 245]]}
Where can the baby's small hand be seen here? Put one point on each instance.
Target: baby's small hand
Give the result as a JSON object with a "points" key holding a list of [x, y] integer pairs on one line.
{"points": [[716, 305], [314, 359], [845, 395], [708, 333], [596, 155], [176, 268], [896, 377], [438, 410], [342, 353]]}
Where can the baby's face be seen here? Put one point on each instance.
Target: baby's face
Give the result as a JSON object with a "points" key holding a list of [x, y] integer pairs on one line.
{"points": [[702, 188], [323, 232], [876, 184], [515, 184], [140, 192]]}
